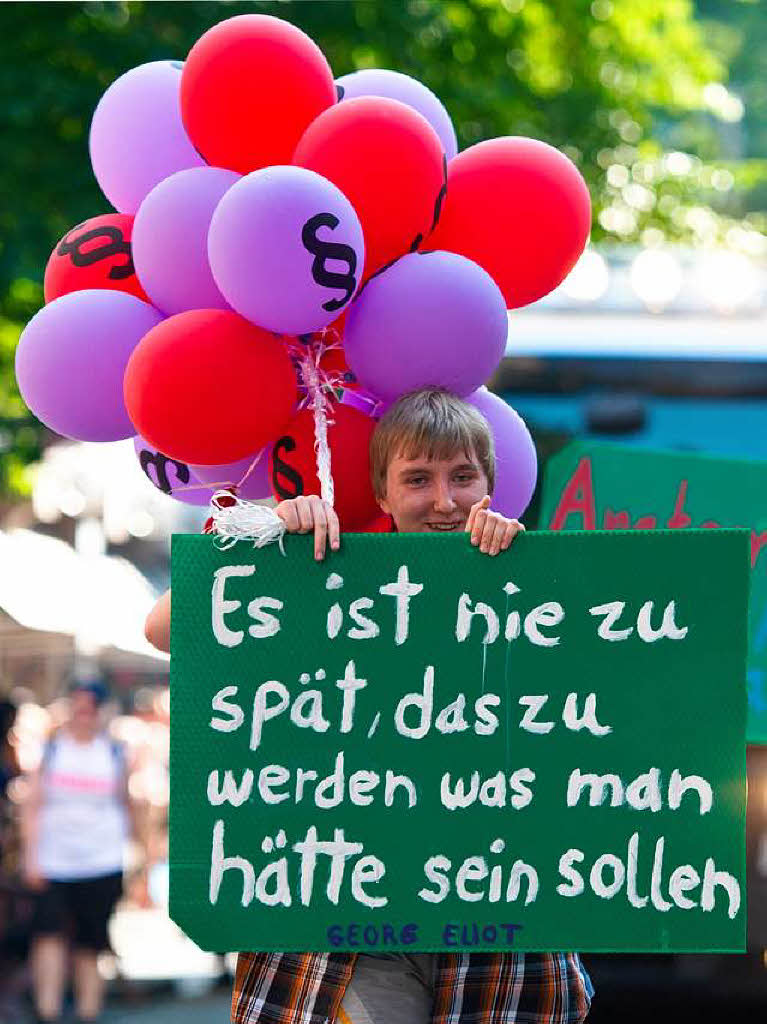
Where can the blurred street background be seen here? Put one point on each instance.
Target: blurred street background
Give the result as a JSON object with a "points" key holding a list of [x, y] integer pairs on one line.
{"points": [[657, 338]]}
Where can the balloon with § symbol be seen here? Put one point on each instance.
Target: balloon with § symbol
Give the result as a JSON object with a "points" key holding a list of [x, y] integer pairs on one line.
{"points": [[98, 253], [388, 160], [170, 476], [286, 249]]}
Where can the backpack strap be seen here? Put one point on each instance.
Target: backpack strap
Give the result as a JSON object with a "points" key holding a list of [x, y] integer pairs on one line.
{"points": [[116, 749], [118, 755], [48, 750]]}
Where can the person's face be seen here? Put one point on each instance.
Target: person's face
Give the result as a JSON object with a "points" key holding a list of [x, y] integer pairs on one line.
{"points": [[83, 710], [433, 495]]}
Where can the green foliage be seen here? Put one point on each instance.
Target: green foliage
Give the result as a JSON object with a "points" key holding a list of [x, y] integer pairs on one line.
{"points": [[737, 29], [613, 83]]}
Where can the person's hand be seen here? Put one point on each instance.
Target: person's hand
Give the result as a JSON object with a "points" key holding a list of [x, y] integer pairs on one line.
{"points": [[490, 530], [309, 512]]}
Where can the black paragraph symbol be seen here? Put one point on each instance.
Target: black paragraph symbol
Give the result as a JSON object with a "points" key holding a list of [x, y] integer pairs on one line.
{"points": [[323, 251], [438, 204], [72, 245], [286, 481], [160, 463], [441, 195]]}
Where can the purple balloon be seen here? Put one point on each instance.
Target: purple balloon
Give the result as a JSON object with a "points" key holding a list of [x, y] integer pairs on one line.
{"points": [[396, 86], [286, 249], [170, 476], [432, 319], [256, 485], [137, 137], [71, 360], [516, 465], [170, 239]]}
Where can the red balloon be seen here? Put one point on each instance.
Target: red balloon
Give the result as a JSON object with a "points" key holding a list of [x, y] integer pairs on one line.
{"points": [[250, 87], [381, 524], [388, 161], [337, 328], [94, 254], [293, 463], [208, 387], [520, 209]]}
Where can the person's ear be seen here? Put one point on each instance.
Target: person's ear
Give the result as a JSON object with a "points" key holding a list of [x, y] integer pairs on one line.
{"points": [[384, 505]]}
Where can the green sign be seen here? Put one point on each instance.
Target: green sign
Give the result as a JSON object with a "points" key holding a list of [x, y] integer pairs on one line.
{"points": [[413, 745], [608, 487]]}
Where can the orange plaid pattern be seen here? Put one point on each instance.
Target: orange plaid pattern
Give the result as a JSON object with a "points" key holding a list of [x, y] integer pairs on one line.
{"points": [[494, 988]]}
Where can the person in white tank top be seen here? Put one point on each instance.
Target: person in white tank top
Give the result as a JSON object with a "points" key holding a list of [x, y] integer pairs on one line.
{"points": [[76, 822]]}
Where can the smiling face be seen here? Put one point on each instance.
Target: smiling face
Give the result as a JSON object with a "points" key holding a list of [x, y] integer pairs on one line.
{"points": [[433, 495], [431, 458]]}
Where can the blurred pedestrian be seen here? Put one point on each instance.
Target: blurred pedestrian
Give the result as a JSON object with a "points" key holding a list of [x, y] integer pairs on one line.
{"points": [[9, 764], [9, 770], [15, 904], [75, 825]]}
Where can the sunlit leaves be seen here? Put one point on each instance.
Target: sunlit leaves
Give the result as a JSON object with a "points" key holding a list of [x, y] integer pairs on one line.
{"points": [[634, 91]]}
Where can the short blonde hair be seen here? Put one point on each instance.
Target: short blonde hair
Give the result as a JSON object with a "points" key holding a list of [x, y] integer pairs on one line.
{"points": [[431, 423]]}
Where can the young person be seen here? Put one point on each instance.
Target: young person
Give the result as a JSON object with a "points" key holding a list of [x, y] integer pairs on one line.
{"points": [[76, 819], [433, 470]]}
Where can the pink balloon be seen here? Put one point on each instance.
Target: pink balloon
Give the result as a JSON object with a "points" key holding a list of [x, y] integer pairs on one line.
{"points": [[71, 360], [170, 239], [432, 319], [137, 137], [170, 476], [516, 465], [286, 249]]}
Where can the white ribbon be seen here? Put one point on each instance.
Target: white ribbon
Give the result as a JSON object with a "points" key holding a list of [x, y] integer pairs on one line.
{"points": [[321, 447], [238, 519]]}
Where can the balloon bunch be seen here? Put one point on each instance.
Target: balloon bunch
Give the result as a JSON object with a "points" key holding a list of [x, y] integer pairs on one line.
{"points": [[290, 254]]}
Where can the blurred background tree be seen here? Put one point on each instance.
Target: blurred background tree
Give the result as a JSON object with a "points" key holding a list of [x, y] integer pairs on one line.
{"points": [[661, 103]]}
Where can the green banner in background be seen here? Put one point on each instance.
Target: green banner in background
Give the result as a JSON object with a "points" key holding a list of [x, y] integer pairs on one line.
{"points": [[414, 746], [591, 486]]}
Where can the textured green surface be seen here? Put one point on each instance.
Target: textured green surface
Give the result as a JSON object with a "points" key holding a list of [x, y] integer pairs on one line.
{"points": [[590, 486], [672, 704]]}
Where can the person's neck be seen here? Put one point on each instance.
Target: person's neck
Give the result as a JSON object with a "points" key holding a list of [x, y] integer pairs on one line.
{"points": [[81, 735]]}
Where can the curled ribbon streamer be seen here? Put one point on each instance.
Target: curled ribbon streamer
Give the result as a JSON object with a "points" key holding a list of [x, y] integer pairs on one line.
{"points": [[329, 341], [315, 350], [195, 487], [248, 471], [321, 446], [234, 519]]}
